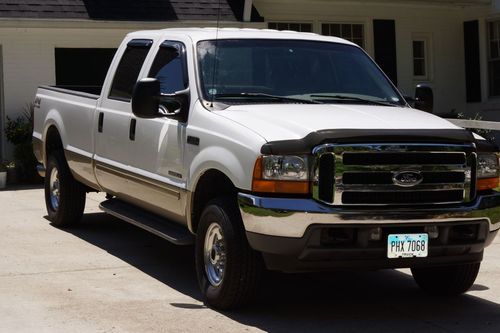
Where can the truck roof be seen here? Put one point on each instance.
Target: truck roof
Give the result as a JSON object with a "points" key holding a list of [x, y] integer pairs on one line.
{"points": [[197, 34]]}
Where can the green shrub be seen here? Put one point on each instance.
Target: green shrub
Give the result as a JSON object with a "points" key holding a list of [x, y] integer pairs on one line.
{"points": [[19, 132], [487, 134]]}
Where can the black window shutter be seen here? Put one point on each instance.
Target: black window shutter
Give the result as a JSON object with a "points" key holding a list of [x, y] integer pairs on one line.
{"points": [[472, 64], [384, 36]]}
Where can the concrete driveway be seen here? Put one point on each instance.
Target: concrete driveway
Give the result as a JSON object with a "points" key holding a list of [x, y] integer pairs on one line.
{"points": [[107, 276]]}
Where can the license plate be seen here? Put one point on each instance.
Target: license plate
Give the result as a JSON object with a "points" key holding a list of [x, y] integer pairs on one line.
{"points": [[407, 245]]}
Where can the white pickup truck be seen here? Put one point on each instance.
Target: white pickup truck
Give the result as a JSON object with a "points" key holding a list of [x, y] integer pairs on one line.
{"points": [[279, 150]]}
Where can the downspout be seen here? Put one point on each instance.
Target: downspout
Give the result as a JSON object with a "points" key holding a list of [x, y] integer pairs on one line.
{"points": [[247, 11]]}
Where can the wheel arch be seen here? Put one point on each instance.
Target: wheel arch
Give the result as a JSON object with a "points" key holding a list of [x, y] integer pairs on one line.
{"points": [[53, 134], [53, 141], [211, 184]]}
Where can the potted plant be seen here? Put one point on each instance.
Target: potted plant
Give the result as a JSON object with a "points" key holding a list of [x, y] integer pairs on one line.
{"points": [[11, 173], [3, 175]]}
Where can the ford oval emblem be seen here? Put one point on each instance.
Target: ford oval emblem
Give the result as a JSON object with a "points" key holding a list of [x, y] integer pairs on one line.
{"points": [[407, 178]]}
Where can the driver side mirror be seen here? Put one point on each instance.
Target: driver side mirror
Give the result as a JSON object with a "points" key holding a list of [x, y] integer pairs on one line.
{"points": [[424, 98], [148, 102], [145, 102]]}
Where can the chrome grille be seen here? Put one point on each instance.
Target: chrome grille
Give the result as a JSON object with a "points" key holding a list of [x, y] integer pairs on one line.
{"points": [[368, 174]]}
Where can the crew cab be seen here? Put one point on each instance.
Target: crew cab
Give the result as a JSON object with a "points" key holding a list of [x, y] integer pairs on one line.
{"points": [[281, 150]]}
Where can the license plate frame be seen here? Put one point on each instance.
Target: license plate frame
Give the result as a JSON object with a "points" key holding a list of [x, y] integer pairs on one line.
{"points": [[414, 245]]}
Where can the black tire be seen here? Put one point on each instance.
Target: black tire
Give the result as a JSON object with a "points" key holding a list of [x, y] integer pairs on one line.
{"points": [[242, 266], [68, 210], [447, 280]]}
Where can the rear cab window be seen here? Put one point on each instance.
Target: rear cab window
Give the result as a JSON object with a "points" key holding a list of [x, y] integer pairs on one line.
{"points": [[128, 69]]}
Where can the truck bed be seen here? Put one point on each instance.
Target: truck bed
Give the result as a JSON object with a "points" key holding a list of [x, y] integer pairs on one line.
{"points": [[72, 113], [84, 91]]}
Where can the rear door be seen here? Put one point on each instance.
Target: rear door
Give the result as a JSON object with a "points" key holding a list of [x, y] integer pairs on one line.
{"points": [[113, 118]]}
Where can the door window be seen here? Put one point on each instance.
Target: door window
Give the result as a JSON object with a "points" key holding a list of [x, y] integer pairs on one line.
{"points": [[128, 69], [169, 68]]}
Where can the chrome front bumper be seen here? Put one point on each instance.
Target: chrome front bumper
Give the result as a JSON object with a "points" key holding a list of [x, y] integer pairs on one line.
{"points": [[283, 217]]}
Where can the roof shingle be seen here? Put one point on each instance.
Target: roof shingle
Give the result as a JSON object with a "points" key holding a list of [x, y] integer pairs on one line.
{"points": [[125, 10]]}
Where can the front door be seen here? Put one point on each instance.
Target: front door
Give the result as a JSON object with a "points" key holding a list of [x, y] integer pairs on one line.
{"points": [[158, 143]]}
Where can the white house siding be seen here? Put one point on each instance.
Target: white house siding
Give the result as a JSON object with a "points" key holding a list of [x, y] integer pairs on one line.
{"points": [[29, 60], [28, 44], [440, 20], [489, 107]]}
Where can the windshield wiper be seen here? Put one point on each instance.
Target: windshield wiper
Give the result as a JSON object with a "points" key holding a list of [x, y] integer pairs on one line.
{"points": [[247, 95], [357, 99]]}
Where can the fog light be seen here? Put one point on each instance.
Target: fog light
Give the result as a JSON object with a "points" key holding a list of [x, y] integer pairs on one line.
{"points": [[337, 236], [432, 231], [464, 232], [376, 234]]}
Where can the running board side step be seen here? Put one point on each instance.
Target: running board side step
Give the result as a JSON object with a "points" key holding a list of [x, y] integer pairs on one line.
{"points": [[153, 223]]}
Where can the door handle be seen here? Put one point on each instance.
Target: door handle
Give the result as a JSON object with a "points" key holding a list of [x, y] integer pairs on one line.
{"points": [[131, 133], [101, 122]]}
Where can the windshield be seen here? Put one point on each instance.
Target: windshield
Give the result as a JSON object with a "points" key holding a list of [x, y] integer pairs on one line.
{"points": [[249, 70]]}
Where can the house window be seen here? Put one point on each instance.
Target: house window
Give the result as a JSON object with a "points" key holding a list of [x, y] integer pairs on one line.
{"points": [[82, 68], [300, 27], [352, 32], [422, 56], [494, 58], [419, 58]]}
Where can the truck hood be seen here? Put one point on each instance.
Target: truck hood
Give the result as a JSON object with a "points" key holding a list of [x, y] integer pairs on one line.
{"points": [[295, 121]]}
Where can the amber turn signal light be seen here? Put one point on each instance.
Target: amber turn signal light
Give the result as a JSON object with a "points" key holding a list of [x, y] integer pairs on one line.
{"points": [[487, 183], [261, 185]]}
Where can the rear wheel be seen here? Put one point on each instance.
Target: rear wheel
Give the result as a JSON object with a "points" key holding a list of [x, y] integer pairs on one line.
{"points": [[447, 280], [64, 196], [228, 269]]}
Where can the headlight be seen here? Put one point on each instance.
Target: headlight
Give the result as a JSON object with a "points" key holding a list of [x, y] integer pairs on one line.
{"points": [[281, 174], [285, 168], [487, 171], [487, 166]]}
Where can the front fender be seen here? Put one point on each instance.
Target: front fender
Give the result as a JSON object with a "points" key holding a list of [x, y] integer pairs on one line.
{"points": [[225, 161]]}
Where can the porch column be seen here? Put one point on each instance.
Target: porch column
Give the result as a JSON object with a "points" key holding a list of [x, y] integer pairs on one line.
{"points": [[247, 11]]}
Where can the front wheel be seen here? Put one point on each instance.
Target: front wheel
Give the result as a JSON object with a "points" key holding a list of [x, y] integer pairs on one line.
{"points": [[64, 196], [228, 269], [447, 280]]}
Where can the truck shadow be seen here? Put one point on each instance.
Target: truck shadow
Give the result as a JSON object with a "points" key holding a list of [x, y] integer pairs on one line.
{"points": [[22, 187], [341, 301], [387, 301], [172, 265]]}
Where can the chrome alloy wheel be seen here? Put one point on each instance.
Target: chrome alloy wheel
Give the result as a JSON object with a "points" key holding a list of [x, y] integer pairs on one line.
{"points": [[55, 193], [214, 254]]}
